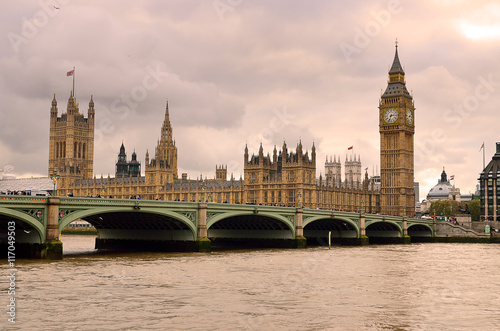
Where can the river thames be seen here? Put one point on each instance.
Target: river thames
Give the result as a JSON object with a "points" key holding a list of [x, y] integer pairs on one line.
{"points": [[379, 287]]}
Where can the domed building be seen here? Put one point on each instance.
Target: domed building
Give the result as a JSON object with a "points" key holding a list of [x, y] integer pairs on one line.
{"points": [[443, 190]]}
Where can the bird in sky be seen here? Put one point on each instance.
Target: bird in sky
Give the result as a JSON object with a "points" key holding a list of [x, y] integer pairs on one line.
{"points": [[56, 7]]}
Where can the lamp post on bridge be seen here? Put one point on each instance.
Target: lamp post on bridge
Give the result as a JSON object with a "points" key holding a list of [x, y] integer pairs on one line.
{"points": [[299, 195], [406, 238], [362, 225], [203, 186], [103, 190], [55, 177]]}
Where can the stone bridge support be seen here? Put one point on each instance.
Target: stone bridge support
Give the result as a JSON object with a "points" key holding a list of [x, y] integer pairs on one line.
{"points": [[363, 239], [300, 240], [406, 237], [52, 247], [203, 244]]}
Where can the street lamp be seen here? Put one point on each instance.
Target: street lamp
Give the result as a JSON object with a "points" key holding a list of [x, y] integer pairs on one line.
{"points": [[203, 186], [103, 190], [299, 195], [55, 177]]}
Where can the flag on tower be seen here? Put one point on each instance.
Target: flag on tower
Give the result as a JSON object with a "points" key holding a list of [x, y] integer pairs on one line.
{"points": [[482, 146], [70, 73], [349, 148], [452, 177]]}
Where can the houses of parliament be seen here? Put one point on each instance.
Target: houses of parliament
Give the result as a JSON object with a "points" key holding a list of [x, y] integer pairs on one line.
{"points": [[286, 177]]}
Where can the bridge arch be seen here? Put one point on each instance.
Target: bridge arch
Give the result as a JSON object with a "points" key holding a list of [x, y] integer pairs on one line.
{"points": [[23, 234], [249, 224], [124, 223], [420, 230], [338, 226], [383, 228]]}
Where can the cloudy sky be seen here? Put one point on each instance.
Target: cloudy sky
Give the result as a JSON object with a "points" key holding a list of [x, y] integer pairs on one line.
{"points": [[240, 72]]}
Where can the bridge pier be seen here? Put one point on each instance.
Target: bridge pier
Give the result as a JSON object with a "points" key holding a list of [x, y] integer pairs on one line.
{"points": [[51, 248], [203, 244], [406, 238], [363, 240], [300, 240]]}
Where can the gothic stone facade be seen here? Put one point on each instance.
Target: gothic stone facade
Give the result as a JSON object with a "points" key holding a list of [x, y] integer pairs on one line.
{"points": [[287, 178]]}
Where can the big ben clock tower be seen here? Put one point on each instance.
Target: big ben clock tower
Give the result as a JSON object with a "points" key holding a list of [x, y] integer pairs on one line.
{"points": [[397, 128]]}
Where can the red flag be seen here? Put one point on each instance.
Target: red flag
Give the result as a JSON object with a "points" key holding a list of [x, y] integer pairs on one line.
{"points": [[482, 146], [349, 148], [70, 73]]}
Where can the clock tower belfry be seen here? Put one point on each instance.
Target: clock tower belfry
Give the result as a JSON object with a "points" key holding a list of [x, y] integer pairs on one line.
{"points": [[397, 129]]}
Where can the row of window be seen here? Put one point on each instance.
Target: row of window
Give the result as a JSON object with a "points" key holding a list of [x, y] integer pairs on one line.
{"points": [[79, 150]]}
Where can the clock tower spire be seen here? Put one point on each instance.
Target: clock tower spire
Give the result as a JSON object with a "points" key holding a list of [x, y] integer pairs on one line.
{"points": [[397, 130]]}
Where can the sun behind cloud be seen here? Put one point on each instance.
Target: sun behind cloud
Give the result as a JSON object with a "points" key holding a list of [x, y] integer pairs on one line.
{"points": [[482, 23]]}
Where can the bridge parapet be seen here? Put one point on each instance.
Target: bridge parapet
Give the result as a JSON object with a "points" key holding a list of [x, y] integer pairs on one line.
{"points": [[126, 202], [21, 199]]}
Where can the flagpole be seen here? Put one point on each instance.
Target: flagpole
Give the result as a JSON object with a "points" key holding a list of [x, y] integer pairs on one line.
{"points": [[74, 73], [483, 156]]}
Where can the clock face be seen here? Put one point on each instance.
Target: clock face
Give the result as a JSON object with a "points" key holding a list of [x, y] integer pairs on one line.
{"points": [[391, 115], [409, 116]]}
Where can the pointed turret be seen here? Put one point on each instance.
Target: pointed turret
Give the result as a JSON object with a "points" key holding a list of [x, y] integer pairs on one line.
{"points": [[91, 111], [72, 106], [299, 152], [122, 155], [54, 101], [53, 109], [121, 164]]}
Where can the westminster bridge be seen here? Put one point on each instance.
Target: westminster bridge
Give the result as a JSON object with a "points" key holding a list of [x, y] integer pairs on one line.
{"points": [[120, 223]]}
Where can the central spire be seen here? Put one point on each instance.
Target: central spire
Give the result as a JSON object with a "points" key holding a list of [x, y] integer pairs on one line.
{"points": [[166, 130], [396, 65], [396, 85]]}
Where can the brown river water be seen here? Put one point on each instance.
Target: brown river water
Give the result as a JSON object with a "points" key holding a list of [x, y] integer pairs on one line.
{"points": [[378, 287]]}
